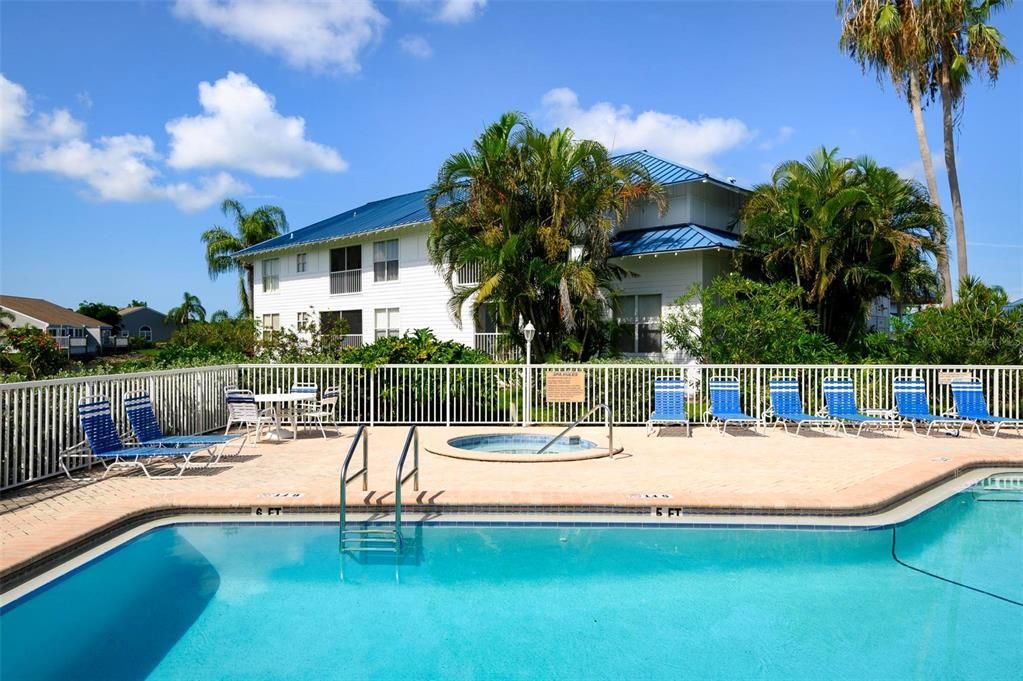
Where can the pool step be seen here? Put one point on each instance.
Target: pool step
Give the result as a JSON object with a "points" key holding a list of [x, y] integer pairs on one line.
{"points": [[370, 539]]}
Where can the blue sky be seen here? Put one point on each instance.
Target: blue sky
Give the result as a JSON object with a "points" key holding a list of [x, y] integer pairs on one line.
{"points": [[124, 124]]}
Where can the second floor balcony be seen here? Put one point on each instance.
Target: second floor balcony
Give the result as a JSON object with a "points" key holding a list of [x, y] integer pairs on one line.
{"points": [[343, 282]]}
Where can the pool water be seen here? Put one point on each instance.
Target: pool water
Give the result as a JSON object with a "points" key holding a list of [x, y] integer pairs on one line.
{"points": [[268, 602], [508, 443]]}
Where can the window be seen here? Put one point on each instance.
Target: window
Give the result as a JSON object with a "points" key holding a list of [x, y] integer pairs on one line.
{"points": [[271, 274], [124, 332], [486, 318], [271, 323], [345, 270], [469, 274], [385, 260], [302, 321], [639, 328], [387, 322], [146, 333], [300, 261]]}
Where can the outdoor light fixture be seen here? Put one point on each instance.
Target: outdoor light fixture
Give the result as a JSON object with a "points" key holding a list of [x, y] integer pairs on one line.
{"points": [[528, 331]]}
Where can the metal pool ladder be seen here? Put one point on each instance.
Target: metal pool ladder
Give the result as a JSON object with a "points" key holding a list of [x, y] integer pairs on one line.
{"points": [[381, 539], [610, 429]]}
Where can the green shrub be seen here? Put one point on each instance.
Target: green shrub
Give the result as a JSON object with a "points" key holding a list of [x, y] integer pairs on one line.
{"points": [[741, 321], [415, 347]]}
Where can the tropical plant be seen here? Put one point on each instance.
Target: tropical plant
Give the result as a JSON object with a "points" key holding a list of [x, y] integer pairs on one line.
{"points": [[414, 347], [742, 321], [263, 223], [190, 310], [960, 42], [533, 214], [108, 314], [38, 354], [6, 318], [846, 231], [978, 328], [220, 316], [135, 302], [885, 36]]}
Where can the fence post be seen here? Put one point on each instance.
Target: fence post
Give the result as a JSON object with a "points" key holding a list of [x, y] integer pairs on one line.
{"points": [[447, 395], [526, 394], [372, 395]]}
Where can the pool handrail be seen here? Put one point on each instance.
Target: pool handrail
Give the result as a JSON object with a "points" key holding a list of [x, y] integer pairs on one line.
{"points": [[411, 439], [610, 429], [360, 434]]}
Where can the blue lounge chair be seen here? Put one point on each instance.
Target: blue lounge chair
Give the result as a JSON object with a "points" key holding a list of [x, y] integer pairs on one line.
{"points": [[840, 397], [106, 445], [724, 404], [669, 404], [970, 405], [147, 429], [786, 407], [911, 403]]}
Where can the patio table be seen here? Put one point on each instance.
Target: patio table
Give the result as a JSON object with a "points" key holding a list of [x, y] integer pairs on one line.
{"points": [[275, 399]]}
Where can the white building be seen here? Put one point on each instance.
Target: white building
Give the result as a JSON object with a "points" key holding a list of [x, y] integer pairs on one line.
{"points": [[370, 266]]}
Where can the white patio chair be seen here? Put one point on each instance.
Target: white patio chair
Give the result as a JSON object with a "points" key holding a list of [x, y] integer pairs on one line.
{"points": [[243, 410], [324, 411]]}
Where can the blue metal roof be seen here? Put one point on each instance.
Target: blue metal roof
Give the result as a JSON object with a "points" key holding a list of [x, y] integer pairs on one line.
{"points": [[670, 239], [409, 209]]}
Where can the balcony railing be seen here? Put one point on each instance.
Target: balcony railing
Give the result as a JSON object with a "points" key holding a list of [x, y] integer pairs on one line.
{"points": [[497, 345], [345, 281], [73, 343], [351, 340], [469, 274]]}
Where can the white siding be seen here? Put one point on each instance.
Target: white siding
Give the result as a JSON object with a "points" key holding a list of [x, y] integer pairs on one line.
{"points": [[419, 292], [705, 204]]}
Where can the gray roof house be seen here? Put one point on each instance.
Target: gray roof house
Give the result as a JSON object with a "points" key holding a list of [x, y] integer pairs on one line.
{"points": [[141, 321], [75, 333]]}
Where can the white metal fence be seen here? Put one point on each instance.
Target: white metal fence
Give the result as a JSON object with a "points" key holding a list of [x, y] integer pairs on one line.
{"points": [[39, 419]]}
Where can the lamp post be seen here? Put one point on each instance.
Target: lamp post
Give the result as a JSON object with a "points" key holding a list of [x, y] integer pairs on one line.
{"points": [[528, 331]]}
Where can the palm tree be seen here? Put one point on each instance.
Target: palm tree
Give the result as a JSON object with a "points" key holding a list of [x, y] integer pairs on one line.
{"points": [[534, 212], [960, 42], [846, 231], [190, 310], [885, 36], [220, 316], [263, 223]]}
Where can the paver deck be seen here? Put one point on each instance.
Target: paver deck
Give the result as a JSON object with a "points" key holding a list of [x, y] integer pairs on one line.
{"points": [[813, 473]]}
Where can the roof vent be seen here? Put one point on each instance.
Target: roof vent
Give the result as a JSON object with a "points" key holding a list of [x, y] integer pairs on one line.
{"points": [[732, 180]]}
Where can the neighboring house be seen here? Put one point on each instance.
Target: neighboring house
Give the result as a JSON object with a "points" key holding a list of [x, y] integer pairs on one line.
{"points": [[370, 266], [145, 322], [76, 333]]}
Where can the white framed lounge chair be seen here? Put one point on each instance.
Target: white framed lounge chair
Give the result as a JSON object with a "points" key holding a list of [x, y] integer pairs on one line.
{"points": [[968, 397], [840, 397], [787, 407], [105, 444], [725, 408], [669, 405], [147, 431], [911, 407]]}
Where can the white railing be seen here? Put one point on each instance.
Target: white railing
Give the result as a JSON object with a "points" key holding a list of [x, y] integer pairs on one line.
{"points": [[38, 419], [343, 282], [469, 273], [498, 345]]}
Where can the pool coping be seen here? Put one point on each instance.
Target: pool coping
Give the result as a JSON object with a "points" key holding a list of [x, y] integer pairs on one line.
{"points": [[894, 511]]}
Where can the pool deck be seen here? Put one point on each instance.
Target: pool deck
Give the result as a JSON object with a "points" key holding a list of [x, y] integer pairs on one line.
{"points": [[773, 473]]}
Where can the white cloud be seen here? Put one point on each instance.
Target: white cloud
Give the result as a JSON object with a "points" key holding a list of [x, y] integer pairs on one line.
{"points": [[783, 135], [121, 168], [307, 33], [18, 125], [417, 46], [914, 170], [692, 142], [114, 168], [459, 11], [240, 128]]}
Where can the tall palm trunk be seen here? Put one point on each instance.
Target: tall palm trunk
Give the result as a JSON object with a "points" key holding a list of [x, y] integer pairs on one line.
{"points": [[250, 276], [948, 125], [932, 182]]}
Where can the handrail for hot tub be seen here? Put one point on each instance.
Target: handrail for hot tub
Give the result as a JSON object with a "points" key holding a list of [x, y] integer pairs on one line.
{"points": [[411, 439], [610, 429]]}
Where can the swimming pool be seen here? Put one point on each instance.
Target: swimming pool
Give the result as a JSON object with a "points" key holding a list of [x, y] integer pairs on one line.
{"points": [[488, 602]]}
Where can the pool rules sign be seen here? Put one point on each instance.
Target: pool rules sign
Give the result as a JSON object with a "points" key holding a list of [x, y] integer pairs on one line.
{"points": [[566, 386]]}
